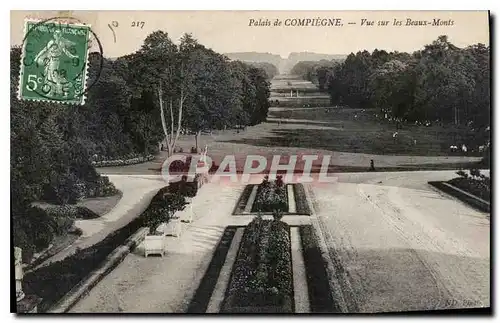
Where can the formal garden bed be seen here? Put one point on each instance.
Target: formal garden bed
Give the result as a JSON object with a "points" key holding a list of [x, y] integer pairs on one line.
{"points": [[269, 196], [261, 279], [474, 183], [54, 281], [130, 159], [477, 188]]}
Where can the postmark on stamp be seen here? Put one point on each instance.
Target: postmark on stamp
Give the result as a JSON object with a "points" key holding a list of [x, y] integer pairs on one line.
{"points": [[54, 61]]}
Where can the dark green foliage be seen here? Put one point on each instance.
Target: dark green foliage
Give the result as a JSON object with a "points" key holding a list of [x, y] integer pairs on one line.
{"points": [[441, 82], [262, 273], [186, 188], [162, 209], [270, 69], [33, 230]]}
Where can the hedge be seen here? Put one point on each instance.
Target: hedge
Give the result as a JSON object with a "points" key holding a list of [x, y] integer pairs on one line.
{"points": [[302, 207], [320, 294], [242, 201], [122, 161]]}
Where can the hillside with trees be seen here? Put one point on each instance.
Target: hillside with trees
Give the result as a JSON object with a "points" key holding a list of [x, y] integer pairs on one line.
{"points": [[440, 82], [135, 102]]}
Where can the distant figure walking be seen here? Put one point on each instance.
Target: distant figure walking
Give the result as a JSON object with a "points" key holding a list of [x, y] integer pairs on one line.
{"points": [[372, 165], [395, 136], [464, 149]]}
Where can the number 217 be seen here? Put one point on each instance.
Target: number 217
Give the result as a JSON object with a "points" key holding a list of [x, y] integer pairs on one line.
{"points": [[138, 24]]}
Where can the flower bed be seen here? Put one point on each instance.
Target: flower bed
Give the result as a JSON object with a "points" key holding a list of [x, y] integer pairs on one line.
{"points": [[301, 204], [475, 184], [125, 160], [271, 196], [261, 280]]}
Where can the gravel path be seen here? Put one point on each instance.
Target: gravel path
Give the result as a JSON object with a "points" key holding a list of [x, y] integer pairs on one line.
{"points": [[166, 285], [405, 248]]}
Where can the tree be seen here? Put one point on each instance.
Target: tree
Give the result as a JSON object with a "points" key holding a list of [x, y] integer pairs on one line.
{"points": [[163, 209]]}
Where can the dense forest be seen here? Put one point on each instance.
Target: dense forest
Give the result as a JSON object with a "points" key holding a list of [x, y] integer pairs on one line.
{"points": [[52, 145], [270, 69], [440, 82]]}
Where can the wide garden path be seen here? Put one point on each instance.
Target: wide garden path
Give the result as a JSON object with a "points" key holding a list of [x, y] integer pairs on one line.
{"points": [[402, 245]]}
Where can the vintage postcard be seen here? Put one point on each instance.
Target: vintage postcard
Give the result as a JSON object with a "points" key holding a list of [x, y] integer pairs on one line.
{"points": [[251, 161]]}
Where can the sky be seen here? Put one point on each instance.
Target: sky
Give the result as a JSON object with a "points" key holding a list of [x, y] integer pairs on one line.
{"points": [[229, 31]]}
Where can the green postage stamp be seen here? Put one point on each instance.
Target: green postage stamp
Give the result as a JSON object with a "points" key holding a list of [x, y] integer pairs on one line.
{"points": [[54, 62]]}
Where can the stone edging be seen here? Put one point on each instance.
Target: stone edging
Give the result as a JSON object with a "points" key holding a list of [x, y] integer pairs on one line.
{"points": [[112, 260], [462, 195], [123, 162]]}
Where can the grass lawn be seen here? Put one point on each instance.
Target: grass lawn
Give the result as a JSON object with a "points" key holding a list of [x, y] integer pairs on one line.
{"points": [[101, 205], [342, 131]]}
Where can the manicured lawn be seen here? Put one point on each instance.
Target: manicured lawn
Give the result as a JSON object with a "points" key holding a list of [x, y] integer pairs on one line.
{"points": [[101, 205], [362, 134]]}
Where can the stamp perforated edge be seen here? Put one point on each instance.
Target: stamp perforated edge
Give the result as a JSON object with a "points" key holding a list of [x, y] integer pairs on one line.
{"points": [[21, 68]]}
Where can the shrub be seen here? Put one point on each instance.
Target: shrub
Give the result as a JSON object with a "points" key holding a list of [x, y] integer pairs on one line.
{"points": [[85, 213], [475, 173], [186, 188], [162, 209], [63, 188], [277, 215], [461, 173], [41, 228]]}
